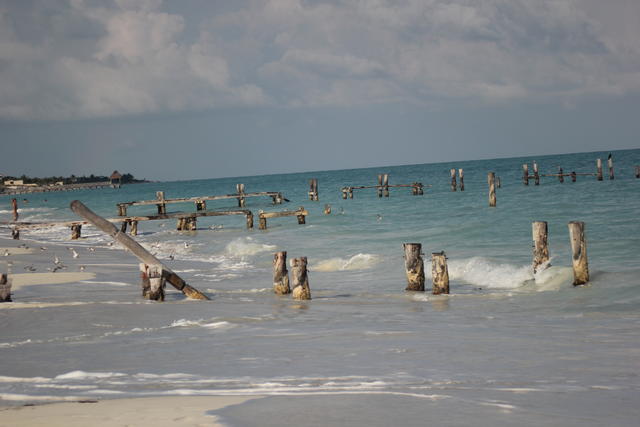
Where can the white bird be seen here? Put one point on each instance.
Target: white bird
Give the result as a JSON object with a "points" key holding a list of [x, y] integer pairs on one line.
{"points": [[56, 260], [92, 249], [42, 248], [110, 244], [186, 245], [379, 217], [75, 254], [30, 268], [6, 252], [82, 268]]}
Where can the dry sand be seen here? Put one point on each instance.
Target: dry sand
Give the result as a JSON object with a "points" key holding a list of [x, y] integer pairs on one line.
{"points": [[151, 411]]}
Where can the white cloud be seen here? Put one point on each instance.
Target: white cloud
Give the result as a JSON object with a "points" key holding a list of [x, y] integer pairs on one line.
{"points": [[93, 59]]}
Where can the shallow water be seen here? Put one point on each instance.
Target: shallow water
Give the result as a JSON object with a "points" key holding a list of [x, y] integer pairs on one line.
{"points": [[504, 342]]}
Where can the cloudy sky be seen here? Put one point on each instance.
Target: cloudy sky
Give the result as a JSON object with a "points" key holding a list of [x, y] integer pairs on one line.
{"points": [[210, 88]]}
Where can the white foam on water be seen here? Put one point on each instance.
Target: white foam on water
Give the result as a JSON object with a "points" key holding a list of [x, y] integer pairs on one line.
{"points": [[483, 272], [32, 398], [83, 375], [95, 282], [183, 323], [5, 379], [553, 278], [247, 246], [356, 262]]}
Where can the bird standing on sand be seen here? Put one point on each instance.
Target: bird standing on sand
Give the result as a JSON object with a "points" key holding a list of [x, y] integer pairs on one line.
{"points": [[75, 254], [6, 252], [92, 249], [56, 260], [42, 248]]}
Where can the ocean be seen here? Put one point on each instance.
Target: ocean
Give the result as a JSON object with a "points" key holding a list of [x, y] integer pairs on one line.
{"points": [[506, 347]]}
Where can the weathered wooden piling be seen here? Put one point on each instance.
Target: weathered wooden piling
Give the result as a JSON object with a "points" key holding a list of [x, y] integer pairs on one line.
{"points": [[240, 191], [123, 226], [579, 253], [144, 279], [153, 282], [122, 209], [134, 228], [453, 179], [525, 174], [610, 166], [536, 174], [134, 247], [15, 233], [461, 175], [380, 185], [327, 209], [300, 279], [313, 189], [599, 169], [637, 171], [417, 189], [491, 179], [574, 176], [439, 273], [76, 231], [540, 246], [14, 206], [345, 191], [162, 207], [5, 288], [201, 205], [560, 175], [280, 274], [414, 266]]}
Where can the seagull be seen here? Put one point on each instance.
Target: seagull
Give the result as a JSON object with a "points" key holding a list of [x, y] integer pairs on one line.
{"points": [[92, 249], [6, 252], [30, 268], [186, 245], [42, 248], [171, 257], [56, 260], [82, 268], [379, 217], [110, 244], [75, 254]]}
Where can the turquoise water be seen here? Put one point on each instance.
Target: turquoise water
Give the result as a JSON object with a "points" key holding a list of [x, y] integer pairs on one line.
{"points": [[515, 347]]}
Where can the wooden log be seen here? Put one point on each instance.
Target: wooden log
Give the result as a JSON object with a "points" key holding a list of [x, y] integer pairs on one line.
{"points": [[491, 179], [540, 246], [134, 247], [560, 175], [5, 288], [525, 174], [327, 209], [240, 191], [14, 206], [385, 184], [134, 228], [162, 207], [573, 176], [76, 231], [300, 279], [122, 209], [414, 266], [461, 175], [579, 253], [536, 174], [610, 166], [453, 180], [599, 169], [280, 274], [439, 273]]}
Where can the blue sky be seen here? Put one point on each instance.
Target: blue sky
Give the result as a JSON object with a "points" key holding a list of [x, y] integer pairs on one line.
{"points": [[199, 89]]}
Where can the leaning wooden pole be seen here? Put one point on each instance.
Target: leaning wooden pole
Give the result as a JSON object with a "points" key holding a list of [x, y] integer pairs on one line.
{"points": [[540, 246], [414, 266], [134, 247], [579, 253], [439, 273], [491, 179], [280, 274]]}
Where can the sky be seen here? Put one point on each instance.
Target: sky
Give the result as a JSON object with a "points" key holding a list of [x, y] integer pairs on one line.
{"points": [[209, 88]]}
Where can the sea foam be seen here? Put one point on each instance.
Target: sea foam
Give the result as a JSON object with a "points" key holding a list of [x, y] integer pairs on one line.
{"points": [[356, 262]]}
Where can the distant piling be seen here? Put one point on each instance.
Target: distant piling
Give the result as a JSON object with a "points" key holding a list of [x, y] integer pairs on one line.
{"points": [[76, 231], [414, 266], [637, 171], [313, 189], [491, 179], [610, 166], [162, 207], [536, 174], [14, 206], [452, 172], [461, 176], [539, 232], [599, 169], [5, 288], [280, 274], [574, 176], [525, 174], [300, 279], [579, 253], [439, 273], [560, 175], [241, 198]]}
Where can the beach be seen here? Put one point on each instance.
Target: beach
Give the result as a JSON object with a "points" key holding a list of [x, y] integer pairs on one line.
{"points": [[505, 347]]}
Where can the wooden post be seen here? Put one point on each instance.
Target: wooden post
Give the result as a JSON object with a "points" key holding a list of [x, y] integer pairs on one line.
{"points": [[201, 205], [540, 246], [379, 185], [525, 174], [536, 175], [461, 175], [280, 274], [385, 183], [573, 176], [262, 222], [162, 207], [123, 226], [134, 228], [313, 190], [414, 266], [299, 279], [5, 288], [637, 171], [491, 178], [610, 165], [344, 192], [134, 247], [14, 206], [453, 179], [278, 199], [414, 189], [439, 273], [249, 220], [599, 169], [76, 230], [351, 193], [180, 224], [327, 209], [579, 253], [122, 209], [240, 191], [156, 282], [15, 233], [560, 175], [144, 280]]}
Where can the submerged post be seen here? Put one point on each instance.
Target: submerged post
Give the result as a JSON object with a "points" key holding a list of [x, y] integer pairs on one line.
{"points": [[76, 230], [344, 192], [610, 165], [439, 273], [453, 179], [414, 266], [249, 216], [560, 175], [300, 279], [491, 178], [162, 207], [579, 253], [525, 174], [540, 246], [15, 233], [280, 274], [461, 175], [5, 288], [201, 205], [599, 169], [134, 247], [153, 282]]}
